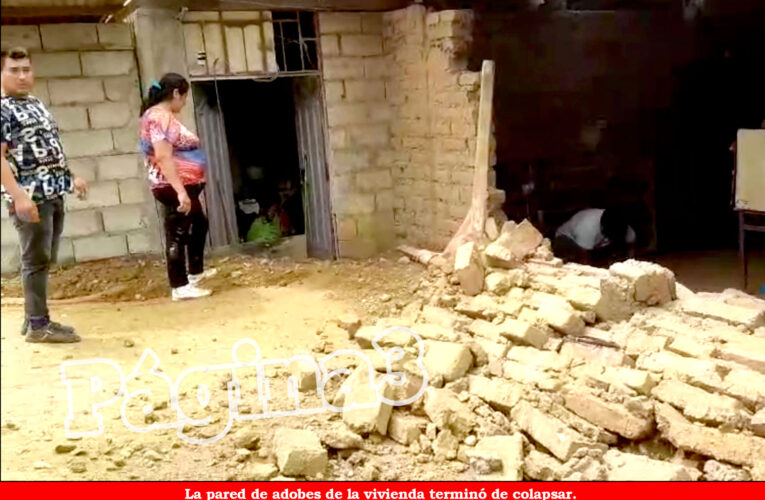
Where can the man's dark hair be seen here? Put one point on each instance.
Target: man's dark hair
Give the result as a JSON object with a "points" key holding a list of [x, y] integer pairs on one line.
{"points": [[16, 53], [613, 225], [163, 90]]}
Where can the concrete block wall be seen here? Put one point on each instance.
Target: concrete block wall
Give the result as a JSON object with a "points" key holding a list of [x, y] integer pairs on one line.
{"points": [[359, 118], [87, 75]]}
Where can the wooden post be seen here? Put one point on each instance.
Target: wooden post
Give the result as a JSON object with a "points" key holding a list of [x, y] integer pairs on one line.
{"points": [[472, 228]]}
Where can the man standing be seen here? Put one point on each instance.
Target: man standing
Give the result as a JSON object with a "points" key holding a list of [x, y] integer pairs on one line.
{"points": [[35, 191]]}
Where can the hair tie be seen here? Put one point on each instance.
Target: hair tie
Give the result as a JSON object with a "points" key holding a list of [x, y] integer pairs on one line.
{"points": [[156, 84]]}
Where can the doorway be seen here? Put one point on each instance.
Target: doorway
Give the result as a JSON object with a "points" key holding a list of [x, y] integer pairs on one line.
{"points": [[268, 174]]}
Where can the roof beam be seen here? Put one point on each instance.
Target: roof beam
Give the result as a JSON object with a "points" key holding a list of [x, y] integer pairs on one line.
{"points": [[42, 12], [336, 5]]}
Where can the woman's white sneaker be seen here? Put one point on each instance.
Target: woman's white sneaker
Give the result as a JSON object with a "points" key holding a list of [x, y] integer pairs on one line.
{"points": [[189, 291], [196, 279]]}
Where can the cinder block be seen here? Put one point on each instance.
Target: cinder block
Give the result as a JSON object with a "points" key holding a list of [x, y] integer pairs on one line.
{"points": [[375, 67], [330, 45], [374, 180], [82, 223], [361, 45], [122, 89], [67, 36], [100, 194], [357, 248], [365, 90], [134, 191], [343, 68], [40, 90], [10, 256], [372, 22], [355, 204], [115, 36], [99, 247], [334, 91], [124, 218], [346, 228], [339, 22], [384, 200], [369, 135], [57, 64], [21, 36], [65, 252], [76, 91], [347, 114], [83, 167], [144, 241], [117, 167], [8, 234], [70, 117], [109, 115], [126, 139], [87, 143], [108, 63], [348, 161]]}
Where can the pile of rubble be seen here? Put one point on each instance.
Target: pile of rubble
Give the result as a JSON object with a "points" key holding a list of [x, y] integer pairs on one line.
{"points": [[542, 370]]}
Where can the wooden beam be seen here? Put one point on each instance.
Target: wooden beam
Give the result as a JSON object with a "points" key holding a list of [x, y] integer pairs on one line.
{"points": [[324, 5], [58, 12]]}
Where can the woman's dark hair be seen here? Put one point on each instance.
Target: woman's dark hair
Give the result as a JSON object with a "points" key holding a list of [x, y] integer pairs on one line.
{"points": [[163, 90]]}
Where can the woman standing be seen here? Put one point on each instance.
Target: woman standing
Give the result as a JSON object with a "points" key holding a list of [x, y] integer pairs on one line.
{"points": [[176, 167]]}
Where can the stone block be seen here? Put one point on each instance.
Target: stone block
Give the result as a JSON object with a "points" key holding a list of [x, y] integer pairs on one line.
{"points": [[735, 315], [57, 64], [375, 68], [543, 360], [559, 439], [561, 319], [330, 45], [374, 415], [70, 118], [76, 91], [757, 423], [525, 333], [65, 251], [40, 90], [604, 356], [133, 191], [146, 241], [21, 36], [69, 36], [701, 373], [630, 467], [499, 283], [343, 68], [299, 452], [99, 247], [698, 404], [361, 45], [447, 412], [406, 429], [541, 466], [448, 360], [347, 114], [109, 115], [373, 180], [339, 22], [341, 438], [109, 63], [356, 204], [718, 471], [468, 268], [652, 284], [100, 194], [738, 449], [611, 416], [357, 248], [531, 376], [499, 394], [118, 167], [384, 200], [115, 36], [82, 223], [124, 218], [749, 352], [364, 90]]}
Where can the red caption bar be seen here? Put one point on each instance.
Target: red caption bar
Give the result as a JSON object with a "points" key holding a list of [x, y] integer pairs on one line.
{"points": [[384, 491]]}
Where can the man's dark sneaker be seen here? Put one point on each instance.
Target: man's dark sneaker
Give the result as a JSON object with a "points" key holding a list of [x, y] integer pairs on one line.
{"points": [[50, 335], [54, 324]]}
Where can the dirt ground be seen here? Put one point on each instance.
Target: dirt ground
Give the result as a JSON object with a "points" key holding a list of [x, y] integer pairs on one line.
{"points": [[283, 305]]}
